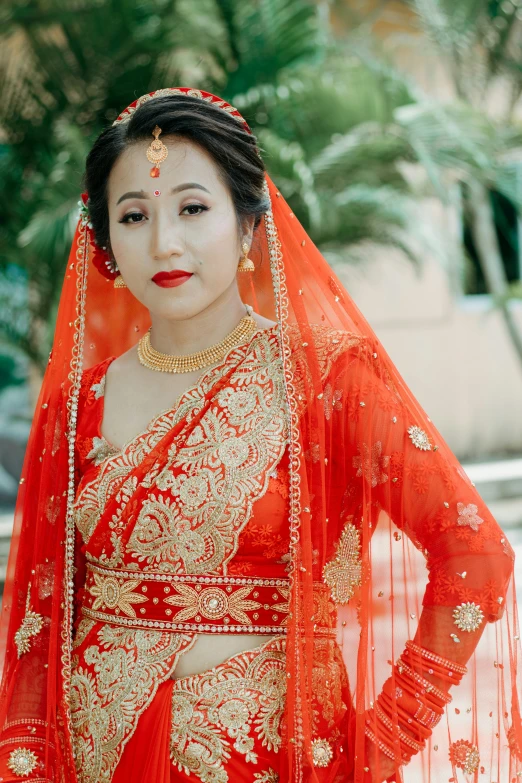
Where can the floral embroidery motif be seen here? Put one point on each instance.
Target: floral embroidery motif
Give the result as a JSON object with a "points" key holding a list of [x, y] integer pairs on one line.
{"points": [[191, 524], [328, 344], [468, 516], [343, 573], [468, 616], [270, 776], [112, 683], [465, 756], [332, 401], [228, 704], [100, 451], [514, 745], [329, 683], [211, 603], [322, 752], [99, 388], [108, 592], [419, 438], [22, 762], [372, 465], [32, 624]]}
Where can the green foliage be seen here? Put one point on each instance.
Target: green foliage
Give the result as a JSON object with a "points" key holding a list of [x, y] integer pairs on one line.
{"points": [[337, 123]]}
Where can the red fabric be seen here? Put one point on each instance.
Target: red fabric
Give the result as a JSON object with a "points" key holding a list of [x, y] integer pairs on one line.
{"points": [[146, 757], [375, 504]]}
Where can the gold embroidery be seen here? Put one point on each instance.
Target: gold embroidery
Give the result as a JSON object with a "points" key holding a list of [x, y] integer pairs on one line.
{"points": [[419, 438], [325, 347], [243, 696], [213, 602], [99, 388], [343, 573], [270, 776], [22, 762], [468, 616], [465, 756], [107, 699], [85, 626], [101, 449], [329, 681], [332, 401], [468, 516], [372, 466], [32, 624], [225, 466], [322, 752], [191, 521], [109, 592]]}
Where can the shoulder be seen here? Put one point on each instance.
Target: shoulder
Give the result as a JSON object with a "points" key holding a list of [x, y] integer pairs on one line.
{"points": [[92, 386], [315, 349]]}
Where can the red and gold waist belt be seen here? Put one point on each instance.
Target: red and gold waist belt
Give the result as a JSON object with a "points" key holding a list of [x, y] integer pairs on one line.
{"points": [[205, 604]]}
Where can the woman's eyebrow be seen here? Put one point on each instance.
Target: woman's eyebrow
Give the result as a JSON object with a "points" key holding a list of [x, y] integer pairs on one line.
{"points": [[177, 189]]}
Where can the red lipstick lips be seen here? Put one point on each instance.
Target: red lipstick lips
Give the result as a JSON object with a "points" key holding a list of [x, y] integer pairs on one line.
{"points": [[172, 279]]}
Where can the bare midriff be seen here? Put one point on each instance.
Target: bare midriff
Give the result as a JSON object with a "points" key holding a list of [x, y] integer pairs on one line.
{"points": [[210, 650]]}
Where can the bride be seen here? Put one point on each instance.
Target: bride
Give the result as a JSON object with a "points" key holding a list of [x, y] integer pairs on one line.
{"points": [[219, 443]]}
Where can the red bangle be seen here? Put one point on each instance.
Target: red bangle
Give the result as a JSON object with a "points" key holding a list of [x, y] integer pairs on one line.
{"points": [[386, 739], [404, 738], [443, 672], [410, 719], [433, 658], [435, 693]]}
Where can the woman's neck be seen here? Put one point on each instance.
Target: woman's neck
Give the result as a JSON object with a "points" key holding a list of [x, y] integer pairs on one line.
{"points": [[202, 330]]}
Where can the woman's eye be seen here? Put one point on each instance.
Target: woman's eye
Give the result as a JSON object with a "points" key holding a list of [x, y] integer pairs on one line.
{"points": [[195, 206], [126, 218]]}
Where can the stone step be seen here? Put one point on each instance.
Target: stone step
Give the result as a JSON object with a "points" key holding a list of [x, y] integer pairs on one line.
{"points": [[496, 479]]}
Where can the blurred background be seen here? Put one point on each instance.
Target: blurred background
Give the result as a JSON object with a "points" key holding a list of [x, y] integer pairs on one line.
{"points": [[392, 128]]}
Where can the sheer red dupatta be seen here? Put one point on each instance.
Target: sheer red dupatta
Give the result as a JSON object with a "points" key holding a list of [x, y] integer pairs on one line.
{"points": [[362, 452]]}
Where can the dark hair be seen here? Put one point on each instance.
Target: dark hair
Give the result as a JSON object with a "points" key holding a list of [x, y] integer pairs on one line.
{"points": [[225, 138]]}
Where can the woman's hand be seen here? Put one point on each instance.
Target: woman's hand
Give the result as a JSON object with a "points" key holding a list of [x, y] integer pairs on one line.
{"points": [[381, 767]]}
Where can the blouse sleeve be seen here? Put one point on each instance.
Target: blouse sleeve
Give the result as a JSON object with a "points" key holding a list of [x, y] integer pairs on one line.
{"points": [[399, 461]]}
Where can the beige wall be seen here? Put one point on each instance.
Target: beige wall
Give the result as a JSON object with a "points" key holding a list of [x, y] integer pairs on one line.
{"points": [[452, 351]]}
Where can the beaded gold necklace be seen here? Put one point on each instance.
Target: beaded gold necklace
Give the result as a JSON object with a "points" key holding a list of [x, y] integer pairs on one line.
{"points": [[164, 362]]}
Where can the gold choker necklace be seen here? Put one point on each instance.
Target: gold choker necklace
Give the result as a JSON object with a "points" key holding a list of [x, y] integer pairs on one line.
{"points": [[164, 362]]}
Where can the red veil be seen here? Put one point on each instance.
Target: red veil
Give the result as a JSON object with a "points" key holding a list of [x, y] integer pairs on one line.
{"points": [[380, 510]]}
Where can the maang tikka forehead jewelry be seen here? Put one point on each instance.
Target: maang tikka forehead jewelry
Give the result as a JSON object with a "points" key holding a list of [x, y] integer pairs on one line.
{"points": [[156, 153]]}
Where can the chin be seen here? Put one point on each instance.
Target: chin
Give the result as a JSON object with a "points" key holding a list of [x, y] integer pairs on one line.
{"points": [[178, 309]]}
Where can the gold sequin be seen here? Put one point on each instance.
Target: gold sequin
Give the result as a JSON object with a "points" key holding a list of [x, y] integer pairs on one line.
{"points": [[22, 762], [343, 573], [322, 752], [468, 616], [419, 438]]}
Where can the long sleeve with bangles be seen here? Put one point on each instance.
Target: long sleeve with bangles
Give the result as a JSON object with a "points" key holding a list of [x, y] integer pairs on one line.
{"points": [[401, 462]]}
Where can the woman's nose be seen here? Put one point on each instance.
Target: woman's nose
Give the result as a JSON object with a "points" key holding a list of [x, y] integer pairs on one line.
{"points": [[166, 238]]}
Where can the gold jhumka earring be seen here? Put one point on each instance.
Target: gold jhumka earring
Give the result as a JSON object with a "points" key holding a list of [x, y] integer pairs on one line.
{"points": [[246, 264], [119, 282], [156, 153]]}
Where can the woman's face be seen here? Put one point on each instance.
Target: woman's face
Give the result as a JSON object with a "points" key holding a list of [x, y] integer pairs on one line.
{"points": [[184, 220]]}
